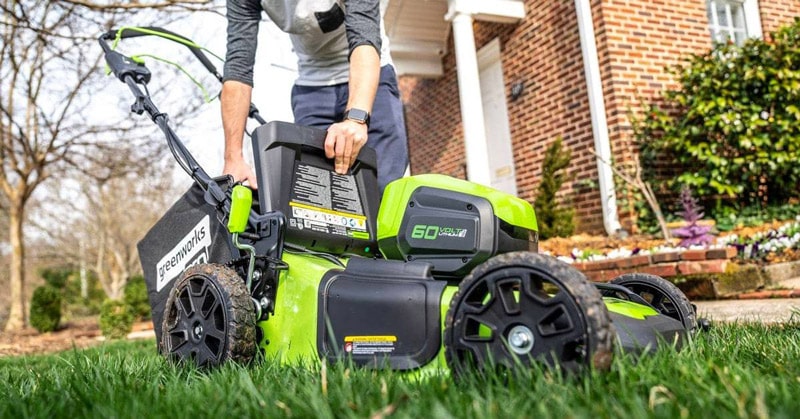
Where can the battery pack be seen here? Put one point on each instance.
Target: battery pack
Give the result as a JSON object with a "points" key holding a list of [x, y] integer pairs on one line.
{"points": [[325, 211]]}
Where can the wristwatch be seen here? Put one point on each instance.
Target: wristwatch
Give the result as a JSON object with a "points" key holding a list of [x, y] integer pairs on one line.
{"points": [[357, 115]]}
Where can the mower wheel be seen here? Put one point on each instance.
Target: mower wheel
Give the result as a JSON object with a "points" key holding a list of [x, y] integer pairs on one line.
{"points": [[519, 308], [209, 318], [663, 295]]}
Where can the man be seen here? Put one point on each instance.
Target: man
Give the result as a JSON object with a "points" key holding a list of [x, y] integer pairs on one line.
{"points": [[346, 83]]}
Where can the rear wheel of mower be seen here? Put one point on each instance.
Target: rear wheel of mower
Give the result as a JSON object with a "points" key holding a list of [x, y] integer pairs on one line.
{"points": [[209, 318], [663, 295], [520, 308]]}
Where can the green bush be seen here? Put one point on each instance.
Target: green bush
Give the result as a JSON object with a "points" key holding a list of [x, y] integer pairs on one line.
{"points": [[136, 298], [116, 319], [732, 125], [56, 278], [45, 308], [554, 220], [79, 305]]}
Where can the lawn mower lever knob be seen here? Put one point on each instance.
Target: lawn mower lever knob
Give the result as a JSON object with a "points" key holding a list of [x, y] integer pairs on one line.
{"points": [[123, 66]]}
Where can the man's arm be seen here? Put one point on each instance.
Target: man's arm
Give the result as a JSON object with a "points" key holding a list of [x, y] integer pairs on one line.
{"points": [[345, 139], [243, 17], [235, 104], [362, 24]]}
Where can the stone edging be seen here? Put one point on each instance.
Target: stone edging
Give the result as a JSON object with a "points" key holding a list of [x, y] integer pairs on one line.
{"points": [[665, 264], [701, 273]]}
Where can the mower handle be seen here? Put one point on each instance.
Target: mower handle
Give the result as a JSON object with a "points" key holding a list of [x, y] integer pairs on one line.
{"points": [[135, 32]]}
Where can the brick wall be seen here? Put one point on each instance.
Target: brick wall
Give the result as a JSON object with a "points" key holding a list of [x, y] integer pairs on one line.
{"points": [[776, 13], [636, 40]]}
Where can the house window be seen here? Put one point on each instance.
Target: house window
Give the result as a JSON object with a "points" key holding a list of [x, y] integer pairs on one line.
{"points": [[733, 20]]}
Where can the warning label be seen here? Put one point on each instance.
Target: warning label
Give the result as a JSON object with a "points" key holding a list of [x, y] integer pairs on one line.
{"points": [[369, 345], [326, 202]]}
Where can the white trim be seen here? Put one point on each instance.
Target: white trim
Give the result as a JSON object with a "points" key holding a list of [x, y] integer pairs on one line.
{"points": [[489, 53], [503, 11], [475, 146], [752, 18], [597, 108], [417, 58]]}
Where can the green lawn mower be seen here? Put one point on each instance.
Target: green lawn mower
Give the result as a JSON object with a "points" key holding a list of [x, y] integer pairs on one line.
{"points": [[439, 274]]}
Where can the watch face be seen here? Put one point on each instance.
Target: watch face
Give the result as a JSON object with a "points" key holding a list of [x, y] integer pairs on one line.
{"points": [[357, 115]]}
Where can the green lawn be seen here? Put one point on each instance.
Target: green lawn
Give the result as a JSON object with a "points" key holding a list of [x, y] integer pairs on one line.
{"points": [[746, 370]]}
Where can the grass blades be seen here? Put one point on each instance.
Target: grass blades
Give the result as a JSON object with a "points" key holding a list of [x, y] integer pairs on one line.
{"points": [[740, 370]]}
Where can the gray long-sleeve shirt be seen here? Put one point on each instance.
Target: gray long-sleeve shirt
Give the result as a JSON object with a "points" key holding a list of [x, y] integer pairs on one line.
{"points": [[323, 34]]}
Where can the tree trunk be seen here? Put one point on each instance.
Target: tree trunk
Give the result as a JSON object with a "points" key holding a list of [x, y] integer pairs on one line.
{"points": [[18, 316]]}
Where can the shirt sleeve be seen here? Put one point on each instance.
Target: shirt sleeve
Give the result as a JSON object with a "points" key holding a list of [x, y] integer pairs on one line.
{"points": [[240, 56], [362, 20]]}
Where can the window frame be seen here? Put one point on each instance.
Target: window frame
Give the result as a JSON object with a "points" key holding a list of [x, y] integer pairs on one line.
{"points": [[751, 20]]}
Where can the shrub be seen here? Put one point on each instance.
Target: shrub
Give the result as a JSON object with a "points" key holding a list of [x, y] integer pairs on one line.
{"points": [[136, 298], [554, 220], [56, 278], [79, 305], [45, 308], [116, 319], [732, 123]]}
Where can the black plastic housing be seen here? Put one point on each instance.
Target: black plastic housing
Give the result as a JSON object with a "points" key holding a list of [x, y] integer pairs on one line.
{"points": [[325, 211], [380, 313]]}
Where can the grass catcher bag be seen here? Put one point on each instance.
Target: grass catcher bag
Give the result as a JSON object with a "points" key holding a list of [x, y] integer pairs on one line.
{"points": [[188, 234]]}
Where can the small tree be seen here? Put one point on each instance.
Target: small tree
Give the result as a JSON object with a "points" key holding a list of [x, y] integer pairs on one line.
{"points": [[554, 220]]}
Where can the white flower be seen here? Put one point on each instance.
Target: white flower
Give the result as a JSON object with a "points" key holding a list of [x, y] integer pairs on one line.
{"points": [[566, 259]]}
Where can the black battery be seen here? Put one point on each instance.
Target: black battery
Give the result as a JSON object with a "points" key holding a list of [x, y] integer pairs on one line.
{"points": [[325, 211]]}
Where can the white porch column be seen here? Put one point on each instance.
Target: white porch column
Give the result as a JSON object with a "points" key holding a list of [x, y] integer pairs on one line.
{"points": [[469, 87], [597, 108]]}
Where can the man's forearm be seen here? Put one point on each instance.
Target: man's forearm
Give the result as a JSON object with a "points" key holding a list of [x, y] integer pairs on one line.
{"points": [[235, 105], [365, 69]]}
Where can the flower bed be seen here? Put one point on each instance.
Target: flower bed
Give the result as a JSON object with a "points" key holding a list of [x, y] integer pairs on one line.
{"points": [[735, 263], [770, 243]]}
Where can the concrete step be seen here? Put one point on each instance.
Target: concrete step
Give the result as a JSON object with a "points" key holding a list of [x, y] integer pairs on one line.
{"points": [[772, 310]]}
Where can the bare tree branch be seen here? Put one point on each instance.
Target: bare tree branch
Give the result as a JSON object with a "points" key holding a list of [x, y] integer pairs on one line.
{"points": [[185, 5], [47, 129], [635, 179]]}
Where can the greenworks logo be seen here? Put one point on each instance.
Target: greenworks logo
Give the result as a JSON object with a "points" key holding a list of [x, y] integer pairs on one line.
{"points": [[429, 232]]}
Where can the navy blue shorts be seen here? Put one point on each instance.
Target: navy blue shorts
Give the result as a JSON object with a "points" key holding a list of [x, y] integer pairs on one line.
{"points": [[321, 106]]}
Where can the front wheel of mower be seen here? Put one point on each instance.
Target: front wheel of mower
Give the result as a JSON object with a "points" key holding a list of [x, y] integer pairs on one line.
{"points": [[663, 295], [520, 308], [209, 318]]}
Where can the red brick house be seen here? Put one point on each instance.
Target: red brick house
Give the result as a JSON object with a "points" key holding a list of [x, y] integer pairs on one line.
{"points": [[489, 84]]}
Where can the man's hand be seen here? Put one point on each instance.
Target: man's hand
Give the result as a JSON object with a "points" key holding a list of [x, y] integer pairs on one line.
{"points": [[343, 142], [241, 171]]}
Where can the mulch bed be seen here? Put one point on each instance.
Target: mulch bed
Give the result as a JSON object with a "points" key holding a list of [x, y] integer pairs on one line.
{"points": [[76, 334]]}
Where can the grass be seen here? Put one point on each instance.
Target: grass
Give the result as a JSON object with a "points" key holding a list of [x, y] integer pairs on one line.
{"points": [[741, 370]]}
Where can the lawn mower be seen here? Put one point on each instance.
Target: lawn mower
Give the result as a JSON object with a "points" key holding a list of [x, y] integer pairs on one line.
{"points": [[438, 274]]}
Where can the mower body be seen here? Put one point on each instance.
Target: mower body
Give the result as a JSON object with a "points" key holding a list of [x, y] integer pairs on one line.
{"points": [[388, 308]]}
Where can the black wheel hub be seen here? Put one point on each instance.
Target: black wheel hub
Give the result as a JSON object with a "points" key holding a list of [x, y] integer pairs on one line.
{"points": [[517, 314], [198, 322]]}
